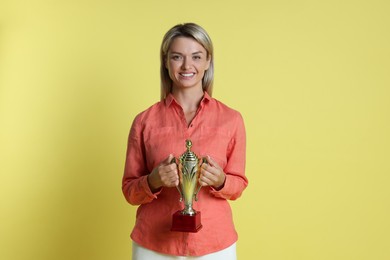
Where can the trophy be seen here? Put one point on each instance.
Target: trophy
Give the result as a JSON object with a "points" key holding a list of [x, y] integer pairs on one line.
{"points": [[188, 219]]}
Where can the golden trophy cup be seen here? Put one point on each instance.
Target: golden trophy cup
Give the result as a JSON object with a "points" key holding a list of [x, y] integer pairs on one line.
{"points": [[189, 167]]}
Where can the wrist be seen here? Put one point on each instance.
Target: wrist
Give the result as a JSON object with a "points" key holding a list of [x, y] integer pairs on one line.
{"points": [[153, 185], [220, 187]]}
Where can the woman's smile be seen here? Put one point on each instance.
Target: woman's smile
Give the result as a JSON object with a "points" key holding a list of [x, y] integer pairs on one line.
{"points": [[187, 75]]}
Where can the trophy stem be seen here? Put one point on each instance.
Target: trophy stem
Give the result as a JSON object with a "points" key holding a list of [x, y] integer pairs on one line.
{"points": [[188, 210]]}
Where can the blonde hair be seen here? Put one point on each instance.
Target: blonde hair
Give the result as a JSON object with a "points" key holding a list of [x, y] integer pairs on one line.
{"points": [[189, 30]]}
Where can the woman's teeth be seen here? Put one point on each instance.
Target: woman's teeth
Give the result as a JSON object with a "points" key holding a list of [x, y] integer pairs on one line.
{"points": [[187, 74]]}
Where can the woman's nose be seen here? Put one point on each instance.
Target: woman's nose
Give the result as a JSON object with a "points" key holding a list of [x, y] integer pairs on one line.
{"points": [[186, 64]]}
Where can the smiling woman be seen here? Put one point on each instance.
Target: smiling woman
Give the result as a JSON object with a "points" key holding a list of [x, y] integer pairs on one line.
{"points": [[200, 43], [187, 62], [186, 112]]}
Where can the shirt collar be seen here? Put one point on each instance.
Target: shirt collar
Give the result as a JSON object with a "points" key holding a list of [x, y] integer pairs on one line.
{"points": [[170, 98]]}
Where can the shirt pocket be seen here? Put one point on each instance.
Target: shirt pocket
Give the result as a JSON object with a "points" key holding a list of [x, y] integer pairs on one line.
{"points": [[215, 142], [158, 145]]}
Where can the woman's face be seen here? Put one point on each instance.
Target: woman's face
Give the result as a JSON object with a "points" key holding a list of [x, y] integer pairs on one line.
{"points": [[187, 62]]}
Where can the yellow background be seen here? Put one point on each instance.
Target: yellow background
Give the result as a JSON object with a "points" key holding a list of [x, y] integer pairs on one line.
{"points": [[311, 79]]}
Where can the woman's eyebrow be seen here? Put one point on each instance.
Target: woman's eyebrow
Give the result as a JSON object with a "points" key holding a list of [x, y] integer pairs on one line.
{"points": [[194, 53]]}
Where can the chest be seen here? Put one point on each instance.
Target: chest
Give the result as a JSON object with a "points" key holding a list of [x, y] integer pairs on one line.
{"points": [[207, 141]]}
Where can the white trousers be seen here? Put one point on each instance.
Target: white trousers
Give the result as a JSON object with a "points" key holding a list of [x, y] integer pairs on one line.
{"points": [[141, 253]]}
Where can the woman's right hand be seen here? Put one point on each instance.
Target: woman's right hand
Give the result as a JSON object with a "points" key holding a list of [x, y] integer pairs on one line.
{"points": [[164, 175]]}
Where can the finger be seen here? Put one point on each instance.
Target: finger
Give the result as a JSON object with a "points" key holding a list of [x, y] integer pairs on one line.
{"points": [[208, 178], [204, 181], [212, 162], [174, 180], [168, 168], [169, 171], [167, 160], [211, 169], [170, 180], [207, 166]]}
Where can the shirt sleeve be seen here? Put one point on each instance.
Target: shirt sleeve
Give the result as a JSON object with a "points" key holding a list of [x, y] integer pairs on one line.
{"points": [[236, 181], [135, 185]]}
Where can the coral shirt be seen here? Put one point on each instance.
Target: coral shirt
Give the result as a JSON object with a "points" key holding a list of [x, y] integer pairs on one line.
{"points": [[217, 131]]}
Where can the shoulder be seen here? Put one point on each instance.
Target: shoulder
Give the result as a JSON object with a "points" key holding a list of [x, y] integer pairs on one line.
{"points": [[150, 113], [144, 119], [225, 110]]}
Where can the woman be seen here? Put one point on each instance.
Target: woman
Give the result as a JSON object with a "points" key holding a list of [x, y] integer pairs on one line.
{"points": [[186, 111]]}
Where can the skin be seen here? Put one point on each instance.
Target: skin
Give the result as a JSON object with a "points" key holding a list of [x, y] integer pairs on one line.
{"points": [[186, 61]]}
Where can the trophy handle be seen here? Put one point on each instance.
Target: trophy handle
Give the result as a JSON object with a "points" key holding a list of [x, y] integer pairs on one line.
{"points": [[200, 186], [177, 187]]}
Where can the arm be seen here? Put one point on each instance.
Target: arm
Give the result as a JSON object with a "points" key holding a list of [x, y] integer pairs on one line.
{"points": [[135, 185], [138, 186], [235, 180]]}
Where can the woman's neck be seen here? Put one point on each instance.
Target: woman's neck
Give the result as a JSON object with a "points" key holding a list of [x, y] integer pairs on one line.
{"points": [[189, 99]]}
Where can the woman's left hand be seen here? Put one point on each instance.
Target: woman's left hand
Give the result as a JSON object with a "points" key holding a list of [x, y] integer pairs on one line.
{"points": [[212, 174]]}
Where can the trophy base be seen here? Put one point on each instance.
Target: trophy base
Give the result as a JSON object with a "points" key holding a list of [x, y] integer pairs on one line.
{"points": [[186, 223]]}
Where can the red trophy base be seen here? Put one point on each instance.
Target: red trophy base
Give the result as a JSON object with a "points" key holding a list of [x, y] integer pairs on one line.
{"points": [[186, 223]]}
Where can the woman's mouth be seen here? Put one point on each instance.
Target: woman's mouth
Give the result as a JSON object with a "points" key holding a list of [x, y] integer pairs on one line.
{"points": [[187, 75]]}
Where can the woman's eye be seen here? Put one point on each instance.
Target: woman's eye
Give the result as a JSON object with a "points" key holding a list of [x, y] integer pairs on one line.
{"points": [[176, 57], [197, 57]]}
